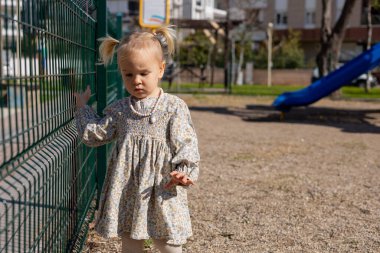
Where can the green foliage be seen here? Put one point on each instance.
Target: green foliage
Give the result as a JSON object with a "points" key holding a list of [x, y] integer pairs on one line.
{"points": [[263, 90], [195, 49], [28, 45], [376, 4], [289, 56], [148, 244], [260, 58], [250, 55], [348, 92], [375, 13], [219, 59], [359, 93]]}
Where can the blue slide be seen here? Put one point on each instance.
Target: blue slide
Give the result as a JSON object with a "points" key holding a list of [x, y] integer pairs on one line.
{"points": [[330, 83]]}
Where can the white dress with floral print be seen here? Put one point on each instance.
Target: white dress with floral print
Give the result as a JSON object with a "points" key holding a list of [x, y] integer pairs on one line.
{"points": [[133, 198]]}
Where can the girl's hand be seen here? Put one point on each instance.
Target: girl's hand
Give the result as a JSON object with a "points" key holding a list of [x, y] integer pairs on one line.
{"points": [[178, 178], [82, 98]]}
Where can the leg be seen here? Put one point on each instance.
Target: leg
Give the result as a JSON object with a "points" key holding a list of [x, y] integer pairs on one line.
{"points": [[130, 245], [166, 248]]}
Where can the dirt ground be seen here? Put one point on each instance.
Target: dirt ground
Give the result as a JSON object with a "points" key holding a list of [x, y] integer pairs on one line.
{"points": [[309, 182]]}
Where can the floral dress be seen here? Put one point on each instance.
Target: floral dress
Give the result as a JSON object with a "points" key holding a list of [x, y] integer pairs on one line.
{"points": [[133, 198]]}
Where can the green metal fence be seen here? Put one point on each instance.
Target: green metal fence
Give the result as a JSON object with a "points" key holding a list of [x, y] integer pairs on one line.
{"points": [[48, 178]]}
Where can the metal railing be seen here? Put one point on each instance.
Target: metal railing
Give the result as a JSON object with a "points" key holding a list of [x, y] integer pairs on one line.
{"points": [[48, 178]]}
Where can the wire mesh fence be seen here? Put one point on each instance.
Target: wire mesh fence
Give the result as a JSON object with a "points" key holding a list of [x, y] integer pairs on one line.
{"points": [[48, 178]]}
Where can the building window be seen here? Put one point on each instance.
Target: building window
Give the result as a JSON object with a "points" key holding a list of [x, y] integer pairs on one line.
{"points": [[198, 2], [281, 10], [281, 19], [310, 6], [310, 18]]}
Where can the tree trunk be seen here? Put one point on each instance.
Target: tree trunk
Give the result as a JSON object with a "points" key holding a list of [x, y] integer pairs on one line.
{"points": [[322, 56], [240, 67], [340, 29], [332, 39], [368, 7], [242, 42], [233, 61], [227, 47]]}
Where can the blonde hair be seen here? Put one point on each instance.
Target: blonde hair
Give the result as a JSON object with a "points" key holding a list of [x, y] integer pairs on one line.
{"points": [[163, 38]]}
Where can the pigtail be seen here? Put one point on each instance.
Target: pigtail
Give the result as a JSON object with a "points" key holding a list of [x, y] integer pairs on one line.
{"points": [[166, 36], [107, 49]]}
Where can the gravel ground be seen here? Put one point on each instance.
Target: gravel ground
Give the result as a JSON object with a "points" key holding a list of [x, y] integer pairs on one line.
{"points": [[308, 182]]}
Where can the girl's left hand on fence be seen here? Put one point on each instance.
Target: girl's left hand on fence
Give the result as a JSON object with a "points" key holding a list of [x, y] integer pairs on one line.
{"points": [[82, 98]]}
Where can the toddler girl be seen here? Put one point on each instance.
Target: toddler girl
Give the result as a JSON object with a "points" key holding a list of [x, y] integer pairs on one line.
{"points": [[155, 157]]}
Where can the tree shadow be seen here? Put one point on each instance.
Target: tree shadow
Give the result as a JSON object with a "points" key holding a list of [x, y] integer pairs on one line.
{"points": [[351, 121]]}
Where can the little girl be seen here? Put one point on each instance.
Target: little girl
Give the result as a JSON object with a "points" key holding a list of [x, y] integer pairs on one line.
{"points": [[155, 157]]}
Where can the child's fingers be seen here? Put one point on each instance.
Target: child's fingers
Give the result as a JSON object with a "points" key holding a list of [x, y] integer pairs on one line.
{"points": [[189, 182], [184, 179], [174, 181], [179, 176], [87, 93], [88, 90], [77, 97], [170, 184], [173, 173]]}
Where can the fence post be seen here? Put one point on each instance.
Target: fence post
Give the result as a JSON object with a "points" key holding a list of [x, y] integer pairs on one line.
{"points": [[101, 92], [119, 30]]}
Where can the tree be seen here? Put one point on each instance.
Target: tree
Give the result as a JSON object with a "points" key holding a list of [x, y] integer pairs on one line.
{"points": [[289, 53], [332, 38], [368, 6], [243, 34], [194, 49], [246, 13]]}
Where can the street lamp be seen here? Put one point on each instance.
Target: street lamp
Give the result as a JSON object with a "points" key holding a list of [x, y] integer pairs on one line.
{"points": [[270, 33]]}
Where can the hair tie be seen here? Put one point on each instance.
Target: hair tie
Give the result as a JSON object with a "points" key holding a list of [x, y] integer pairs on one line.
{"points": [[160, 39], [164, 45], [117, 45]]}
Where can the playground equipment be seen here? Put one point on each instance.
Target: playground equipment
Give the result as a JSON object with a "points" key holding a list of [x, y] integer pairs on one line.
{"points": [[330, 83]]}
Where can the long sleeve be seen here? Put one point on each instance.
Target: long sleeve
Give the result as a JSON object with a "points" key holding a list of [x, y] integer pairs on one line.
{"points": [[184, 142], [93, 130]]}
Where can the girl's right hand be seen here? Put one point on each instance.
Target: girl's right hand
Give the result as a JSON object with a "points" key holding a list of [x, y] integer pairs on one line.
{"points": [[82, 98], [178, 178]]}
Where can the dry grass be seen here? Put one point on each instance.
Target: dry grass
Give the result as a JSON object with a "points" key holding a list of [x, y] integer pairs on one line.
{"points": [[309, 183]]}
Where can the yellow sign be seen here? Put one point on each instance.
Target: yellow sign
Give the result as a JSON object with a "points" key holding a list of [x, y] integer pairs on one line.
{"points": [[154, 13]]}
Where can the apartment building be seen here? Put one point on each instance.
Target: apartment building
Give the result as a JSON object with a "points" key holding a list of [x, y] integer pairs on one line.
{"points": [[11, 36], [197, 9], [179, 9], [305, 16]]}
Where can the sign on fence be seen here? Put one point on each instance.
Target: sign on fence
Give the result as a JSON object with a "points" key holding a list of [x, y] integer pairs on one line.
{"points": [[154, 13]]}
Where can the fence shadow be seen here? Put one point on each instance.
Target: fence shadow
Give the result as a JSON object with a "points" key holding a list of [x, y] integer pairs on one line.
{"points": [[348, 120]]}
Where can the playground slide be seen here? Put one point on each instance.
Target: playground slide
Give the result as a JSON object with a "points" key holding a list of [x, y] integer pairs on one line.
{"points": [[330, 83]]}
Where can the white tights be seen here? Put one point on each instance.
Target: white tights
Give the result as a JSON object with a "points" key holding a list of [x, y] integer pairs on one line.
{"points": [[137, 246]]}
